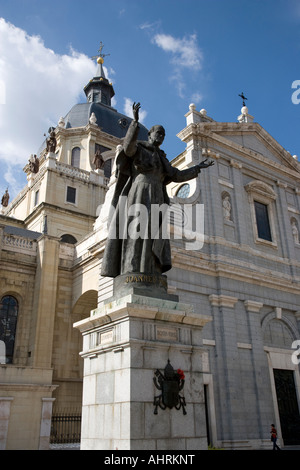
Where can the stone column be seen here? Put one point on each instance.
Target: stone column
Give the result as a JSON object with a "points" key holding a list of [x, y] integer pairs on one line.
{"points": [[260, 367], [5, 403], [125, 341]]}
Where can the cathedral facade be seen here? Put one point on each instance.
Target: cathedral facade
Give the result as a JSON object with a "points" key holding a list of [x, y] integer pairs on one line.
{"points": [[244, 274]]}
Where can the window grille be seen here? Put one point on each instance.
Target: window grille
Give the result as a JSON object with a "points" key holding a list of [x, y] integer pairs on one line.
{"points": [[8, 324], [183, 191], [65, 427]]}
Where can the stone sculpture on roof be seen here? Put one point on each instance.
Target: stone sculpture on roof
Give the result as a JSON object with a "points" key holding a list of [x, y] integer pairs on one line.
{"points": [[5, 199]]}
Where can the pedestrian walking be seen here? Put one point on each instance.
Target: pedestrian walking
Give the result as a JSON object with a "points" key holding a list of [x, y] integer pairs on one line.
{"points": [[274, 437]]}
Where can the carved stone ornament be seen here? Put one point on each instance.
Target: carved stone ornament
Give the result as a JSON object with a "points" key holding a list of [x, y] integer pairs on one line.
{"points": [[51, 140], [170, 383]]}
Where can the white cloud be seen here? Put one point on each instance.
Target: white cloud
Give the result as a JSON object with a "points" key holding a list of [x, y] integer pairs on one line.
{"points": [[197, 97], [150, 26], [185, 52], [128, 110], [13, 178], [39, 85], [185, 55]]}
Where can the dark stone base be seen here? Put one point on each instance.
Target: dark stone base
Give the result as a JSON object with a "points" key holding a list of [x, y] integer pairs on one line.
{"points": [[148, 285]]}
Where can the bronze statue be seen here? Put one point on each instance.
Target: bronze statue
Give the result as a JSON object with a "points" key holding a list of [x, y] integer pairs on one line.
{"points": [[51, 141], [5, 199], [98, 161], [143, 172], [34, 164]]}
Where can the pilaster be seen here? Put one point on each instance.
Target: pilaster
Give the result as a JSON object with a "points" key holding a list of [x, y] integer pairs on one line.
{"points": [[211, 194], [297, 315], [45, 429], [229, 400], [5, 404], [287, 242], [259, 365], [240, 220], [44, 301]]}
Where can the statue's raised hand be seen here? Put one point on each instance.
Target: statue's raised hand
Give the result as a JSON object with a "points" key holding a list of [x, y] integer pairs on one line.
{"points": [[135, 110]]}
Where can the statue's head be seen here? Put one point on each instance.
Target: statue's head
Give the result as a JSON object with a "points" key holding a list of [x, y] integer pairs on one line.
{"points": [[156, 135]]}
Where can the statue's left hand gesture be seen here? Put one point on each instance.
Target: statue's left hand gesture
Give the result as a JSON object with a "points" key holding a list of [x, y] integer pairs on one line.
{"points": [[135, 110]]}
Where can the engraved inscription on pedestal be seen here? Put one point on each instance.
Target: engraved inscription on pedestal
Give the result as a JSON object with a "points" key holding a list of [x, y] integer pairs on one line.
{"points": [[166, 334], [106, 337]]}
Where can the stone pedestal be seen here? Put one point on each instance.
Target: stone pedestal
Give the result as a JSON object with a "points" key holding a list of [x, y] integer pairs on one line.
{"points": [[125, 341]]}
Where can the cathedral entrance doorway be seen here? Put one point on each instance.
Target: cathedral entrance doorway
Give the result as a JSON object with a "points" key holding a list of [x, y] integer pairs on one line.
{"points": [[287, 406]]}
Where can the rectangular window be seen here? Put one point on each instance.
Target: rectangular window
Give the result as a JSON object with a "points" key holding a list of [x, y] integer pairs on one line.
{"points": [[71, 194], [36, 198], [262, 221]]}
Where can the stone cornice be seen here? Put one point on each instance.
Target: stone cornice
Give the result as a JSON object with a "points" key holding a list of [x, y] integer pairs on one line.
{"points": [[44, 205], [89, 129], [20, 387], [140, 307], [237, 270]]}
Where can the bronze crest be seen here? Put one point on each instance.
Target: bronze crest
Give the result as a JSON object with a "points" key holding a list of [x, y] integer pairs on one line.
{"points": [[170, 383]]}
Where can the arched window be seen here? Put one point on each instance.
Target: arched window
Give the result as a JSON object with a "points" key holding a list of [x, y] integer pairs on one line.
{"points": [[183, 191], [67, 238], [75, 158], [8, 324]]}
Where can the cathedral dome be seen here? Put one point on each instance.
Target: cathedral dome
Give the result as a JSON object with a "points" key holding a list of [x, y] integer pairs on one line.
{"points": [[99, 92], [108, 119]]}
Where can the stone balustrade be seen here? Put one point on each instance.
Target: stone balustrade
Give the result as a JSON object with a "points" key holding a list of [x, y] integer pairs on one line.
{"points": [[73, 171], [20, 244]]}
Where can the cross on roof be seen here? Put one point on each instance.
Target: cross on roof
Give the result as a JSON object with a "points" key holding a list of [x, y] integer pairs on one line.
{"points": [[100, 52], [243, 98]]}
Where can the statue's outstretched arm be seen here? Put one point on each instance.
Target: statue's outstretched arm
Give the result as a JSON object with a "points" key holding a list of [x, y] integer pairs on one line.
{"points": [[130, 141]]}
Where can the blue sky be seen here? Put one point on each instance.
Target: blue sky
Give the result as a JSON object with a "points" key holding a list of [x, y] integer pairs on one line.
{"points": [[164, 53]]}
